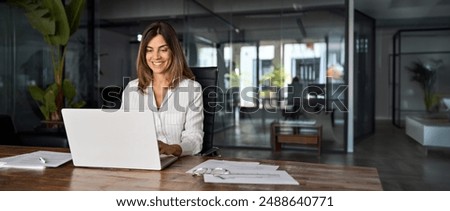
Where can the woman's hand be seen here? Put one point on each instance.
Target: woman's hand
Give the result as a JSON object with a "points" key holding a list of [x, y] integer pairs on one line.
{"points": [[167, 149]]}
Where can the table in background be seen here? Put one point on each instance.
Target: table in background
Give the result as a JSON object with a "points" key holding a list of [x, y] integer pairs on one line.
{"points": [[295, 132], [317, 177]]}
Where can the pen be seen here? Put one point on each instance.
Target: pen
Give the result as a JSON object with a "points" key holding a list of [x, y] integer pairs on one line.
{"points": [[42, 160]]}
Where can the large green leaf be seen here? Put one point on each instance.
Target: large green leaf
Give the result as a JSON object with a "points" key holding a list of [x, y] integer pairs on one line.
{"points": [[49, 101], [41, 22], [69, 90], [36, 93], [62, 30], [38, 16], [45, 99], [48, 17], [45, 112], [74, 11], [53, 87]]}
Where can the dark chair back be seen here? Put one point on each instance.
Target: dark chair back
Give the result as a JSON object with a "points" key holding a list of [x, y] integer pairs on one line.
{"points": [[207, 77], [316, 100], [7, 131]]}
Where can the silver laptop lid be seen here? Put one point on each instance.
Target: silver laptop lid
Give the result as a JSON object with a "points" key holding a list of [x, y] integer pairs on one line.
{"points": [[112, 138]]}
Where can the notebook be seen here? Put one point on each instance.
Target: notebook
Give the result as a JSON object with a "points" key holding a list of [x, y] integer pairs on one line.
{"points": [[113, 139]]}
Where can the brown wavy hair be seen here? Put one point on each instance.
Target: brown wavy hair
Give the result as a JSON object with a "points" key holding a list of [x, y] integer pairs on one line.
{"points": [[177, 69]]}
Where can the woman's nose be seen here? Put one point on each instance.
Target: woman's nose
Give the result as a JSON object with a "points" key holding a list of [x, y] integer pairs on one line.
{"points": [[156, 54]]}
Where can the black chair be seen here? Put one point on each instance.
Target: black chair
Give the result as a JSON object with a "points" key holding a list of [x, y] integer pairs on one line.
{"points": [[293, 109], [253, 94], [316, 100], [207, 77], [7, 131]]}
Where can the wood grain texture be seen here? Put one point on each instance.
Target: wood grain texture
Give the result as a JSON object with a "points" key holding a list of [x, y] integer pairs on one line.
{"points": [[291, 133], [316, 177]]}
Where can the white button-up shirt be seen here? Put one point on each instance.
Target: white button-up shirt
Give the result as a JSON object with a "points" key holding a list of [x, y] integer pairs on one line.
{"points": [[179, 120]]}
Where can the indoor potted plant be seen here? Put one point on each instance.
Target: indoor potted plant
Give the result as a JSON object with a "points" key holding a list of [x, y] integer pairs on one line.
{"points": [[274, 81], [56, 22], [425, 75]]}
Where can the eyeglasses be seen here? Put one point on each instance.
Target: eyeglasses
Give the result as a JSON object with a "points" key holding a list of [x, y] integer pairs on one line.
{"points": [[214, 171]]}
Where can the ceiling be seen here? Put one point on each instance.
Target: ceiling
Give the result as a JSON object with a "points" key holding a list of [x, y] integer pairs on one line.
{"points": [[378, 9], [307, 19], [406, 12], [402, 9]]}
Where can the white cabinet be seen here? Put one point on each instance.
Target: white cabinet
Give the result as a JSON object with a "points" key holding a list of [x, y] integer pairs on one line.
{"points": [[429, 131]]}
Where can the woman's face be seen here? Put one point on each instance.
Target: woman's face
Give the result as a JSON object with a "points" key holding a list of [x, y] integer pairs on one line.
{"points": [[158, 55]]}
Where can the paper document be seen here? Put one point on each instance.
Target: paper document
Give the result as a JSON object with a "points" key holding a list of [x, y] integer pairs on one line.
{"points": [[260, 177], [222, 171], [38, 159]]}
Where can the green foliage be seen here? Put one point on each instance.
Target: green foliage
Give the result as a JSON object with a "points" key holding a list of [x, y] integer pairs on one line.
{"points": [[48, 17], [70, 92], [275, 78], [272, 80], [56, 22], [426, 77], [46, 99], [235, 79]]}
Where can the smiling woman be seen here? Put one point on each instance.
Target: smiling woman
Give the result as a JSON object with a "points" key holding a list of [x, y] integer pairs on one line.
{"points": [[165, 85], [158, 55], [158, 59], [160, 45]]}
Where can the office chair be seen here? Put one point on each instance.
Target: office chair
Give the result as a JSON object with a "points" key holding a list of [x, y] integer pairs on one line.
{"points": [[293, 109], [7, 131], [247, 111], [207, 77], [316, 100]]}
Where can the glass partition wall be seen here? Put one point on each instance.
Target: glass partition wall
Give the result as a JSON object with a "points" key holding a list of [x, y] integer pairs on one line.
{"points": [[364, 68], [259, 49], [420, 69]]}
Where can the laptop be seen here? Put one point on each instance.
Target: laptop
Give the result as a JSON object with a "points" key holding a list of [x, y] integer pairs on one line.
{"points": [[114, 139]]}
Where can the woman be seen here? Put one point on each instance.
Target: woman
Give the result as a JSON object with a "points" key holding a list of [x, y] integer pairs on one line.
{"points": [[165, 85]]}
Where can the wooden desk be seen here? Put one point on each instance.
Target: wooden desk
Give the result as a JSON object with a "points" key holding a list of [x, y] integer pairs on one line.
{"points": [[295, 132], [317, 177]]}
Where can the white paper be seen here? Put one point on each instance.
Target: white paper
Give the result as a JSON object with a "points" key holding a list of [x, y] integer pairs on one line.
{"points": [[232, 165], [32, 160], [260, 177], [238, 172]]}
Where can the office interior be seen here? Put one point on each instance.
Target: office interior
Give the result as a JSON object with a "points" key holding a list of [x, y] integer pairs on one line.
{"points": [[366, 88]]}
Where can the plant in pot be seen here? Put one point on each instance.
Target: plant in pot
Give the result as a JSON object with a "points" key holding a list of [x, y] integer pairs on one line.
{"points": [[425, 75], [56, 22], [273, 80]]}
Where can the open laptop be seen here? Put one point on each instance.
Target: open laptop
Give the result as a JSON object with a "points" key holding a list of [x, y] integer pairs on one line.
{"points": [[114, 139]]}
